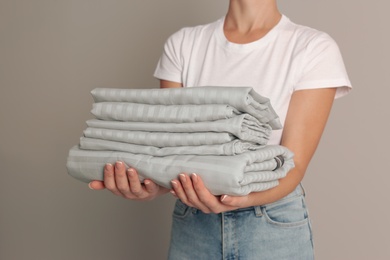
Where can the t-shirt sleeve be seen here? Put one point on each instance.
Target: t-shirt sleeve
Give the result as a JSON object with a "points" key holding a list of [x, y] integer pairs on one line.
{"points": [[323, 67], [169, 67]]}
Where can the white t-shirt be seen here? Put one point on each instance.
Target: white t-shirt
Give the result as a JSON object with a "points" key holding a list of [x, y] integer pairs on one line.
{"points": [[288, 58]]}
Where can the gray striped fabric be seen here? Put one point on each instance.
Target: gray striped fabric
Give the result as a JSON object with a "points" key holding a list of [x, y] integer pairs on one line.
{"points": [[219, 133], [245, 99], [159, 139], [234, 175], [244, 127], [230, 148], [161, 113]]}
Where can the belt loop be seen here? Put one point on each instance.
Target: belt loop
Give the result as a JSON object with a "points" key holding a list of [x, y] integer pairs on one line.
{"points": [[303, 189], [258, 211]]}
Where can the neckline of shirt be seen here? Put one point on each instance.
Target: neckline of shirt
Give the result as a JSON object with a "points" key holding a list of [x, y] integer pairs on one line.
{"points": [[251, 45]]}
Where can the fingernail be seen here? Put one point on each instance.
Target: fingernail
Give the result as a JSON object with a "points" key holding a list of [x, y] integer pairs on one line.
{"points": [[130, 172], [174, 184], [224, 197], [89, 185], [118, 164], [108, 166], [173, 193], [182, 177], [147, 182], [194, 177]]}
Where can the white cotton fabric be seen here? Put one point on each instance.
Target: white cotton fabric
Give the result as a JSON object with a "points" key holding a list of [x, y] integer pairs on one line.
{"points": [[289, 58]]}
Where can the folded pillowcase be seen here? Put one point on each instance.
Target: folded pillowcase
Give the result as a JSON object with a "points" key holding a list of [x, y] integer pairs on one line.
{"points": [[231, 148], [244, 99], [233, 175]]}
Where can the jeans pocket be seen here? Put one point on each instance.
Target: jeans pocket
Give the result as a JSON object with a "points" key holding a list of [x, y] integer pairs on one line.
{"points": [[289, 213], [180, 210]]}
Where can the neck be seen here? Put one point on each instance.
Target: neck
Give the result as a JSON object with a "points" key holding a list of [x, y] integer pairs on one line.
{"points": [[248, 15]]}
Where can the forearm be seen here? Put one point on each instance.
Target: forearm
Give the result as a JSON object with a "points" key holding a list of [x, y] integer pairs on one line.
{"points": [[286, 186], [304, 124], [306, 119]]}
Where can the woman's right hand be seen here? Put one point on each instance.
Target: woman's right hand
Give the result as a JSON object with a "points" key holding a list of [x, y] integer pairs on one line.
{"points": [[126, 183]]}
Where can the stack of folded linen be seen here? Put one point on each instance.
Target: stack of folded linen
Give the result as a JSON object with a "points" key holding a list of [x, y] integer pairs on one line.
{"points": [[220, 133]]}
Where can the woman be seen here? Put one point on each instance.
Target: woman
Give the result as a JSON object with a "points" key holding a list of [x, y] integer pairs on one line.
{"points": [[301, 70]]}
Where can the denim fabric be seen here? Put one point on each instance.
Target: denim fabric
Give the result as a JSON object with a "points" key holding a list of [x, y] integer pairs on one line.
{"points": [[277, 231]]}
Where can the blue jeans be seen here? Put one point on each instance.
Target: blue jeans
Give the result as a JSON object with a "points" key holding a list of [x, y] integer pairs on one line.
{"points": [[279, 230]]}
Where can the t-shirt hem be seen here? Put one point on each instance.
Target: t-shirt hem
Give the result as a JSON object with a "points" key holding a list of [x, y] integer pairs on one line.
{"points": [[166, 76], [343, 86]]}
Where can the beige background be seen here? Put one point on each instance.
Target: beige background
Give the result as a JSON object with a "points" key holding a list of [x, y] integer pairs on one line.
{"points": [[53, 52]]}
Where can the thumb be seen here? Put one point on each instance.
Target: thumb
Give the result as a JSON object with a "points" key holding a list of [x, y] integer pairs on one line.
{"points": [[96, 185], [232, 200], [150, 186], [225, 199]]}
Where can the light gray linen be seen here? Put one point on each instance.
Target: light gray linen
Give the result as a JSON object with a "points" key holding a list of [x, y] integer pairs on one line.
{"points": [[234, 175], [159, 139], [244, 127], [231, 148], [245, 99], [160, 113]]}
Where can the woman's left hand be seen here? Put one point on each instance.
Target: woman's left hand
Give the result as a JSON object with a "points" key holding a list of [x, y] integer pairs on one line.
{"points": [[192, 192]]}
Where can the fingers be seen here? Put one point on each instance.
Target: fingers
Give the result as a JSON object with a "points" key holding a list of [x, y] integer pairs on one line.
{"points": [[226, 202], [136, 187], [206, 197], [186, 192], [109, 178], [192, 192], [125, 182], [121, 181], [204, 194], [177, 191]]}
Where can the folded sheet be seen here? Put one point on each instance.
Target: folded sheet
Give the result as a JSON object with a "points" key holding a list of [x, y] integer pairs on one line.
{"points": [[244, 127], [160, 113], [234, 175], [159, 139], [245, 99], [231, 148]]}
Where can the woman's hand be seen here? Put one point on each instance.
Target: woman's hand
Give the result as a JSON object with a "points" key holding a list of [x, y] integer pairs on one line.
{"points": [[125, 183], [192, 192]]}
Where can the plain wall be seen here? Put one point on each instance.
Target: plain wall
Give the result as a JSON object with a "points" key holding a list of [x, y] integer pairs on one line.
{"points": [[53, 52]]}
